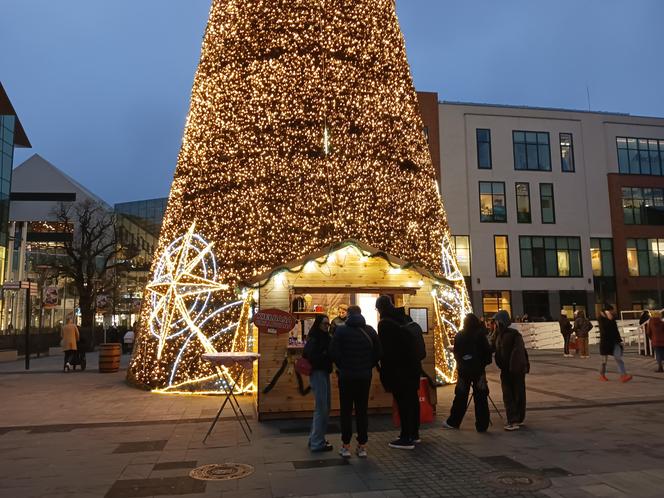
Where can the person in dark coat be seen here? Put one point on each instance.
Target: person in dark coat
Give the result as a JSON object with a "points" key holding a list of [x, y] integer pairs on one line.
{"points": [[472, 353], [355, 350], [340, 319], [566, 332], [610, 344], [400, 370], [512, 359], [317, 352]]}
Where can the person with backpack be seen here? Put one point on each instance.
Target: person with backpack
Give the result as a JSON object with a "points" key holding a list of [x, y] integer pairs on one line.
{"points": [[401, 367], [610, 344], [582, 328], [512, 360], [355, 350], [317, 352], [472, 353]]}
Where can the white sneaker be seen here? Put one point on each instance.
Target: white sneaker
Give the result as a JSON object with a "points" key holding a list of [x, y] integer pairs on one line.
{"points": [[344, 452], [448, 426], [511, 427], [362, 452]]}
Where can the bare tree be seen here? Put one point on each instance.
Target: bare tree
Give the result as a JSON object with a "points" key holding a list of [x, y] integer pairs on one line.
{"points": [[95, 253]]}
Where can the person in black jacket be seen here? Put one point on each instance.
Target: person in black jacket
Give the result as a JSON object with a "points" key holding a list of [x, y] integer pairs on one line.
{"points": [[355, 351], [610, 343], [512, 359], [400, 370], [472, 353], [566, 331], [317, 352]]}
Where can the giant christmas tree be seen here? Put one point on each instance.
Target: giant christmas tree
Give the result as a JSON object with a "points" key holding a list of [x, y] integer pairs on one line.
{"points": [[303, 131]]}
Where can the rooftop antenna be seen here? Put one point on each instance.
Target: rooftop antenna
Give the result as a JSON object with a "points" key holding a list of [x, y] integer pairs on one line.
{"points": [[588, 94]]}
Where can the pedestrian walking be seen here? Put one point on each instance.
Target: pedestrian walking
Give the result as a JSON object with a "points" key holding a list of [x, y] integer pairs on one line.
{"points": [[655, 331], [566, 331], [472, 353], [512, 359], [582, 328], [355, 350], [400, 369], [610, 344], [70, 335], [317, 352]]}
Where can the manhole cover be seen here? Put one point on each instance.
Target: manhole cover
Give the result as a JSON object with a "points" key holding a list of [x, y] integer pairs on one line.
{"points": [[222, 472], [516, 480]]}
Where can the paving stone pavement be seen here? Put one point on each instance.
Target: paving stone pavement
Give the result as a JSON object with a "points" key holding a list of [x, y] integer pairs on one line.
{"points": [[90, 435]]}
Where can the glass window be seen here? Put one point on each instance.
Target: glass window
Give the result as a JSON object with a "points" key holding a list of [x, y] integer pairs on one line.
{"points": [[643, 206], [483, 148], [601, 256], [494, 301], [640, 156], [523, 203], [461, 246], [547, 203], [550, 256], [492, 202], [566, 152], [502, 255], [532, 151]]}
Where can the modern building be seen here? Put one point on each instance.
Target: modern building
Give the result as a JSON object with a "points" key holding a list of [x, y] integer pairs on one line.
{"points": [[12, 135], [550, 208]]}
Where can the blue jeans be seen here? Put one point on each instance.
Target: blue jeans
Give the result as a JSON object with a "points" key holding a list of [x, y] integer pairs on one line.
{"points": [[618, 356], [320, 385]]}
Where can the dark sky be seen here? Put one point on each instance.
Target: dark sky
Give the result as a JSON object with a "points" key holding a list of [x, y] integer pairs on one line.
{"points": [[102, 87]]}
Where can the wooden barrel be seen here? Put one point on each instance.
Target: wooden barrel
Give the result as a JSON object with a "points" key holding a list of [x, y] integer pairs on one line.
{"points": [[109, 357]]}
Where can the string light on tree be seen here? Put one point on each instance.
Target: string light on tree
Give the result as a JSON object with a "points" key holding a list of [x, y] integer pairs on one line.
{"points": [[304, 130]]}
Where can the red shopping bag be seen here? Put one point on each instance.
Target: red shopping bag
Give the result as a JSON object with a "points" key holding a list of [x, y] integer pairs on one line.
{"points": [[426, 408]]}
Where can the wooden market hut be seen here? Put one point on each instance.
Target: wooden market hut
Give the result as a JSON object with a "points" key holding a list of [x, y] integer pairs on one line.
{"points": [[350, 273]]}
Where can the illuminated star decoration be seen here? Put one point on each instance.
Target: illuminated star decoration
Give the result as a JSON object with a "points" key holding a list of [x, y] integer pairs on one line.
{"points": [[179, 294]]}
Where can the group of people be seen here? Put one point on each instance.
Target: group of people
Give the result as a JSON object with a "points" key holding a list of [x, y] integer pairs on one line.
{"points": [[580, 328], [474, 347], [355, 349]]}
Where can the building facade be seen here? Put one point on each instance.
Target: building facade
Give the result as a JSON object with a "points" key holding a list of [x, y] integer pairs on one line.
{"points": [[12, 135], [553, 209]]}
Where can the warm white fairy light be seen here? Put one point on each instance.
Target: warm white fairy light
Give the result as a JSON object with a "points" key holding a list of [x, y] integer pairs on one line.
{"points": [[304, 130]]}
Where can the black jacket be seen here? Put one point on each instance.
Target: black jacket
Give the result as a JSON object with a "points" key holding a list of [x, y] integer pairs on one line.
{"points": [[565, 325], [355, 348], [400, 368], [511, 354], [472, 352], [317, 350], [608, 335]]}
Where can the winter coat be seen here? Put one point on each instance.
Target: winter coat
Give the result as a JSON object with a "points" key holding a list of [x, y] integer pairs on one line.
{"points": [[69, 335], [472, 352], [608, 335], [355, 348], [336, 323], [400, 368], [565, 325], [582, 327], [511, 354], [317, 350], [655, 330]]}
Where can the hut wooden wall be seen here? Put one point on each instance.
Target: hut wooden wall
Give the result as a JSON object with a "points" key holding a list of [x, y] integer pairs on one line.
{"points": [[349, 271]]}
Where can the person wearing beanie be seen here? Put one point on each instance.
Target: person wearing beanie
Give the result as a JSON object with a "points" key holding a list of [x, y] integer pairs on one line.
{"points": [[655, 331], [566, 332], [355, 350], [400, 370], [512, 359], [610, 344], [582, 328]]}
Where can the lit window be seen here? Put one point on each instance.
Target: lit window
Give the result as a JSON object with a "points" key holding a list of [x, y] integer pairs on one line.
{"points": [[502, 255]]}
